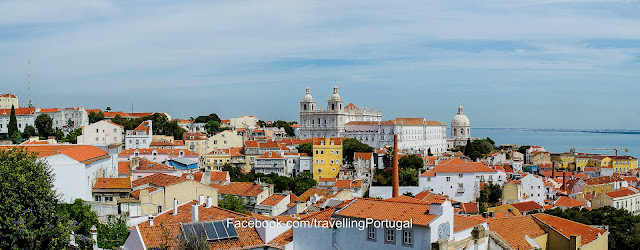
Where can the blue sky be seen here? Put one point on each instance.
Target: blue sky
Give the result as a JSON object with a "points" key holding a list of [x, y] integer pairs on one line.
{"points": [[538, 64]]}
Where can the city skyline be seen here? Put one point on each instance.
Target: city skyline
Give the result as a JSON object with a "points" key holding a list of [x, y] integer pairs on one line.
{"points": [[530, 64]]}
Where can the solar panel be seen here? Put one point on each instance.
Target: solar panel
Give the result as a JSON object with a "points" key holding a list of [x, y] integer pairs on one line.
{"points": [[199, 230], [231, 230], [220, 228], [188, 229], [211, 232]]}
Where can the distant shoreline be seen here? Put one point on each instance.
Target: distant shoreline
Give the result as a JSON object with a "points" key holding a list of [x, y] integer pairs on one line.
{"points": [[595, 131]]}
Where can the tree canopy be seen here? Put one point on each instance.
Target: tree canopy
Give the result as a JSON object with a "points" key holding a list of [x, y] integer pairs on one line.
{"points": [[161, 124], [27, 204], [280, 124], [306, 148], [29, 131], [411, 161], [297, 185], [95, 116], [352, 145], [478, 148], [232, 203], [12, 127], [207, 118], [44, 125]]}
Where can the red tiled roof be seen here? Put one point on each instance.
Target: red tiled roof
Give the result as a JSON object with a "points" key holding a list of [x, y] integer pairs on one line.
{"points": [[8, 95], [112, 183], [197, 176], [403, 198], [271, 155], [319, 140], [305, 196], [527, 206], [514, 229], [158, 179], [566, 201], [144, 126], [469, 208], [147, 165], [19, 111], [148, 151], [363, 156], [568, 228], [602, 180], [620, 193], [219, 175], [463, 222], [123, 167], [327, 179], [273, 200], [184, 214], [388, 210], [283, 239], [82, 153], [457, 165], [580, 175], [239, 188], [51, 110], [344, 184], [196, 136], [136, 193]]}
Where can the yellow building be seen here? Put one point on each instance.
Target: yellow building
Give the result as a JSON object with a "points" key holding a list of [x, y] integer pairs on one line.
{"points": [[623, 163], [582, 161], [512, 192], [8, 100], [196, 142], [214, 160], [156, 193], [599, 161], [225, 139], [564, 160], [327, 157]]}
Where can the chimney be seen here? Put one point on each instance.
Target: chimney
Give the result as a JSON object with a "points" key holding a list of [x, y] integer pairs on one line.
{"points": [[209, 202], [553, 170], [201, 200], [564, 181], [175, 206], [194, 213], [394, 178], [151, 220]]}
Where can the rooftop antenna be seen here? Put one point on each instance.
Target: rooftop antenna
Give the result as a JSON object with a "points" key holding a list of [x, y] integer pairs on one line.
{"points": [[131, 107], [30, 102]]}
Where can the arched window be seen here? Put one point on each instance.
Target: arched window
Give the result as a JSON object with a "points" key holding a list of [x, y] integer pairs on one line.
{"points": [[305, 106], [333, 107], [454, 132], [462, 131]]}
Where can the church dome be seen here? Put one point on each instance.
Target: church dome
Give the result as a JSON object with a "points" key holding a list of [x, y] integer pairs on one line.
{"points": [[460, 119], [307, 96], [335, 96]]}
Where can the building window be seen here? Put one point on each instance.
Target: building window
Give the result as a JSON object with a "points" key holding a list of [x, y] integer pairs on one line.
{"points": [[460, 175], [407, 238], [371, 233], [448, 178], [390, 235], [159, 209], [98, 198], [428, 179]]}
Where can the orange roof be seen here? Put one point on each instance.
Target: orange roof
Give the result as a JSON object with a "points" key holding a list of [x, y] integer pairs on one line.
{"points": [[305, 196], [136, 193], [319, 140], [344, 184], [158, 179], [406, 121], [197, 176], [580, 175], [469, 208], [327, 179], [514, 229], [144, 126], [457, 165], [273, 200], [35, 143], [620, 193], [219, 175], [123, 167], [363, 156], [51, 110], [429, 173], [568, 228], [403, 198], [8, 95], [566, 201], [161, 143], [381, 210], [195, 135], [602, 180], [271, 155], [147, 165], [81, 153], [19, 111], [463, 222], [239, 188], [112, 183], [527, 206], [283, 239], [434, 123], [184, 214], [148, 151]]}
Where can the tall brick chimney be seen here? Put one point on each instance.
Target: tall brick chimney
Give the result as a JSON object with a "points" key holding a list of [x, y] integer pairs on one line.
{"points": [[394, 179], [564, 180]]}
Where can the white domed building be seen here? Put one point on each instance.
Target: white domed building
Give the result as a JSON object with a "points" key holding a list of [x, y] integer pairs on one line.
{"points": [[460, 129]]}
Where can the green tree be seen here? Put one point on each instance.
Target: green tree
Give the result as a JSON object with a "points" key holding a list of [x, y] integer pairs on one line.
{"points": [[44, 124], [234, 172], [27, 204], [408, 177], [232, 203], [207, 118], [410, 161], [72, 136], [96, 116], [13, 122], [523, 149], [113, 233], [212, 127], [29, 131], [59, 135], [468, 149], [16, 138], [352, 145], [306, 148], [302, 182], [78, 214]]}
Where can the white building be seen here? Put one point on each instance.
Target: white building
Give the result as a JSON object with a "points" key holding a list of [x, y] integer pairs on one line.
{"points": [[533, 188], [225, 139], [271, 162], [318, 122], [141, 137], [8, 100], [415, 135], [24, 116], [76, 168], [102, 133], [67, 119], [458, 179], [245, 121], [460, 130]]}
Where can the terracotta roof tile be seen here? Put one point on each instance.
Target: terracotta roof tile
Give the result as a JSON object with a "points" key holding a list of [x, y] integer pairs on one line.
{"points": [[381, 210], [469, 208], [19, 111], [406, 199], [219, 175], [148, 151], [136, 193], [270, 155], [112, 183], [457, 165], [363, 156], [158, 179], [527, 206], [514, 229], [197, 176], [566, 201], [273, 200], [81, 153], [147, 165], [304, 197], [239, 188], [568, 228], [463, 222], [184, 214], [123, 167], [345, 184], [283, 239]]}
